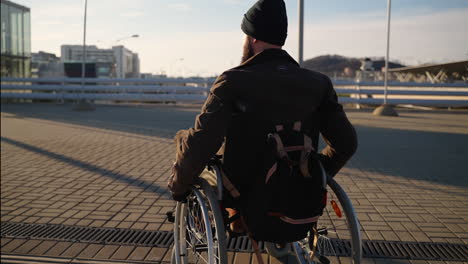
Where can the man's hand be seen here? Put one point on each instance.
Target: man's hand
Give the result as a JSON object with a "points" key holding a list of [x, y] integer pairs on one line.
{"points": [[182, 198], [179, 193]]}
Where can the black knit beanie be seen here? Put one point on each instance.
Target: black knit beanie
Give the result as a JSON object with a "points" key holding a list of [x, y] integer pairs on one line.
{"points": [[266, 20]]}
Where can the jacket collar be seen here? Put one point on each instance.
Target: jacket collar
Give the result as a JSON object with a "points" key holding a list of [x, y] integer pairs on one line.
{"points": [[269, 55]]}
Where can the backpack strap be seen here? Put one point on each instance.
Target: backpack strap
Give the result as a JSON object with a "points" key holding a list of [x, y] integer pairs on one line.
{"points": [[271, 171], [229, 186], [235, 193], [255, 246], [304, 163], [306, 149], [280, 146]]}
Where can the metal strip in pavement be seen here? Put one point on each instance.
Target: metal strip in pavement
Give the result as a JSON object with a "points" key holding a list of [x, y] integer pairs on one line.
{"points": [[164, 239], [116, 236], [28, 259]]}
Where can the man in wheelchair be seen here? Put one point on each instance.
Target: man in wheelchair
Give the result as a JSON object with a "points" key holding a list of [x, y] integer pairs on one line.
{"points": [[264, 117]]}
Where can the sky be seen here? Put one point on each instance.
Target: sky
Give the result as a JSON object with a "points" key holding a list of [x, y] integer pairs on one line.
{"points": [[203, 37]]}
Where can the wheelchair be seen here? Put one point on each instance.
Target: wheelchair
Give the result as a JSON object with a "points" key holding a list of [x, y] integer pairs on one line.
{"points": [[200, 235]]}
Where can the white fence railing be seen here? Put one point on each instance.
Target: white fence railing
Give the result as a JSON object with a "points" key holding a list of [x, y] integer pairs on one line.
{"points": [[195, 90]]}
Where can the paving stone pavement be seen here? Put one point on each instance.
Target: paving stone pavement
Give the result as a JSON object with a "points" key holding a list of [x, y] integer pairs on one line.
{"points": [[109, 168]]}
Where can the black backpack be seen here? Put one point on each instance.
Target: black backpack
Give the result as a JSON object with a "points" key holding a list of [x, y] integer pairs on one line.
{"points": [[289, 197]]}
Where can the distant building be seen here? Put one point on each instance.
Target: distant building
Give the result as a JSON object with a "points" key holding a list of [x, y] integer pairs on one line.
{"points": [[44, 57], [127, 63], [118, 62], [152, 76], [92, 69], [74, 53], [367, 65], [46, 65], [450, 72], [15, 40], [136, 66]]}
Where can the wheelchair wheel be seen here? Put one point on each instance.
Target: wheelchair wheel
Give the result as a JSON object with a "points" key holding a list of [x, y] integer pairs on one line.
{"points": [[199, 235], [338, 233], [277, 251]]}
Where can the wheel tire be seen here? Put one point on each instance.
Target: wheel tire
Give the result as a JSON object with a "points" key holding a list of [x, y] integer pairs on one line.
{"points": [[218, 220], [173, 260], [354, 226], [277, 252], [177, 229]]}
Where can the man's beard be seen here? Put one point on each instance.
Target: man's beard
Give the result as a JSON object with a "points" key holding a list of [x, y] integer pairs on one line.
{"points": [[247, 53]]}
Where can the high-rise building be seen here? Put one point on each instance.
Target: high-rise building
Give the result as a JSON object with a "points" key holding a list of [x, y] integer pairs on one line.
{"points": [[127, 62], [117, 62], [136, 66], [74, 53], [15, 40]]}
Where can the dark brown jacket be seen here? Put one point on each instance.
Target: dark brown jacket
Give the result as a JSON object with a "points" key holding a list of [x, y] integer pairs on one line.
{"points": [[243, 105]]}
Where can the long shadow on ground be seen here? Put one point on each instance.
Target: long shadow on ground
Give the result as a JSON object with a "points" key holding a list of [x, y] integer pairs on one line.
{"points": [[159, 121], [147, 186], [432, 156]]}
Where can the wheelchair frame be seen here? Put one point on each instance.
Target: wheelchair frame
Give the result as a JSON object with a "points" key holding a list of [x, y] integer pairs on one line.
{"points": [[203, 204]]}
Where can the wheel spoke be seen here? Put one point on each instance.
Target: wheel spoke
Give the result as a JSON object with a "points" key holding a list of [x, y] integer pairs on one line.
{"points": [[337, 232], [202, 230]]}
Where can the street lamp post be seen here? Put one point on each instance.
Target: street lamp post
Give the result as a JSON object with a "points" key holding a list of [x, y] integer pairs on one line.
{"points": [[385, 109], [389, 7], [83, 105], [301, 31], [83, 64]]}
